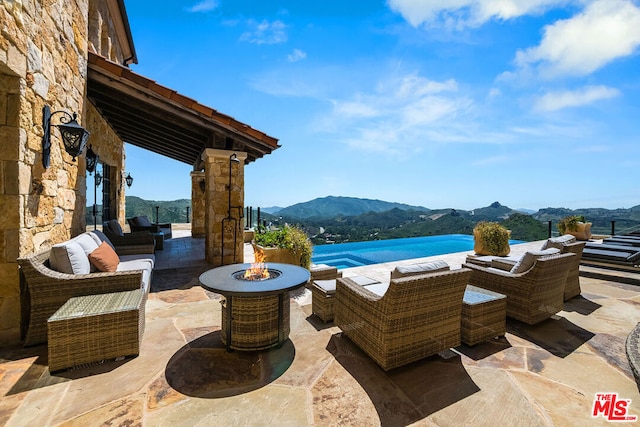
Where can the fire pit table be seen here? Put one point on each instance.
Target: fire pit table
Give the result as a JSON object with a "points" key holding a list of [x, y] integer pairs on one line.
{"points": [[255, 312]]}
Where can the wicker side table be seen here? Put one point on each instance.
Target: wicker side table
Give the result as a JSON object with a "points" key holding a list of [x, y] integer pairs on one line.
{"points": [[92, 328], [483, 315]]}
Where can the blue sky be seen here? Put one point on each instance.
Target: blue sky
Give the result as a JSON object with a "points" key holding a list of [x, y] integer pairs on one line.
{"points": [[532, 103]]}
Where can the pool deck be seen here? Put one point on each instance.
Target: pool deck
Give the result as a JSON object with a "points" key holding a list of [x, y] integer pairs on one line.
{"points": [[543, 375]]}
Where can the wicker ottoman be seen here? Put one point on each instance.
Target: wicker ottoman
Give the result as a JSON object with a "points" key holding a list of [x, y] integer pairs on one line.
{"points": [[323, 292], [483, 315], [92, 328]]}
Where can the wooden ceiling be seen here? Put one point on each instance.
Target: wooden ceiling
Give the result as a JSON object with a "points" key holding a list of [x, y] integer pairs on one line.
{"points": [[159, 119]]}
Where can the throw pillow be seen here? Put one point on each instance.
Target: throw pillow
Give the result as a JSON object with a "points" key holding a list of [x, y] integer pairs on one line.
{"points": [[529, 259], [70, 258], [104, 258], [143, 221]]}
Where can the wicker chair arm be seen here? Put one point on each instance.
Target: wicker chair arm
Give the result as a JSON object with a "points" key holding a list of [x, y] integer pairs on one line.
{"points": [[498, 280], [361, 303], [154, 228], [135, 249], [137, 238]]}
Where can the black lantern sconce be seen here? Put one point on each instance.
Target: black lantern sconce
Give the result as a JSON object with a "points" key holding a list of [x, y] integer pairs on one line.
{"points": [[129, 180], [73, 135], [203, 185], [92, 160]]}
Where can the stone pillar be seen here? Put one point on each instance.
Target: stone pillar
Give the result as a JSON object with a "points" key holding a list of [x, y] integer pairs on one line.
{"points": [[224, 238], [198, 207]]}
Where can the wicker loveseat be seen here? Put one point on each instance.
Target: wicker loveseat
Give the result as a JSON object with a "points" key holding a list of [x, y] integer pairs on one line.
{"points": [[411, 318], [532, 296], [566, 244], [47, 289]]}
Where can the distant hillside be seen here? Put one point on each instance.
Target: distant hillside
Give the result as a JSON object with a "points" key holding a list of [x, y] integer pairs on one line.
{"points": [[329, 207], [626, 219], [169, 211], [494, 212], [271, 210]]}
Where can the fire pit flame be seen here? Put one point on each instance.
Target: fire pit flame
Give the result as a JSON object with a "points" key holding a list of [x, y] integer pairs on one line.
{"points": [[258, 270]]}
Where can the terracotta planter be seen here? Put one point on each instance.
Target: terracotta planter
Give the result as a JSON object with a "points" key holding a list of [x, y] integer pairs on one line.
{"points": [[285, 256], [583, 232]]}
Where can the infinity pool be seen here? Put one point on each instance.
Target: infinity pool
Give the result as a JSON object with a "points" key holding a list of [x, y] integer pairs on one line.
{"points": [[356, 254]]}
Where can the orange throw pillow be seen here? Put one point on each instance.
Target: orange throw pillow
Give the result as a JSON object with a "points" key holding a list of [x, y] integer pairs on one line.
{"points": [[104, 258]]}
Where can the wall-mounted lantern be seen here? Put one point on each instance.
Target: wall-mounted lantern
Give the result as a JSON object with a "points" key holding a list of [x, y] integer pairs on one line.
{"points": [[73, 135]]}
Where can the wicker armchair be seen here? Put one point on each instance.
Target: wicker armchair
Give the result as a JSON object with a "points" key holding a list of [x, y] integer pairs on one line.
{"points": [[121, 240], [47, 290], [572, 286], [534, 295], [417, 316]]}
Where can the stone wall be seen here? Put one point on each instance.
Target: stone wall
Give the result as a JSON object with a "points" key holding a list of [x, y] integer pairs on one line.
{"points": [[43, 61], [198, 207]]}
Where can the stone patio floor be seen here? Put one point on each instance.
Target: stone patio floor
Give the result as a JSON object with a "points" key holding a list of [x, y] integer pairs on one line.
{"points": [[543, 375]]}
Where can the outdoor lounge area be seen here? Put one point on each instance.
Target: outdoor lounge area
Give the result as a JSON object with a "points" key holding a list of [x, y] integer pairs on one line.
{"points": [[545, 374]]}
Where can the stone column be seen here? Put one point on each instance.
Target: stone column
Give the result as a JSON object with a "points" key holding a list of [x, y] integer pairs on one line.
{"points": [[223, 223], [198, 207]]}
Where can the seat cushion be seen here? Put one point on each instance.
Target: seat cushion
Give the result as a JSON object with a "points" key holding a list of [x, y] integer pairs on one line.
{"points": [[104, 258], [138, 265], [150, 258], [69, 257], [420, 268], [529, 259], [328, 286]]}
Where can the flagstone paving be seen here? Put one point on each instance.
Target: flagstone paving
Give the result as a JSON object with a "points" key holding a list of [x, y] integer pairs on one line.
{"points": [[543, 375]]}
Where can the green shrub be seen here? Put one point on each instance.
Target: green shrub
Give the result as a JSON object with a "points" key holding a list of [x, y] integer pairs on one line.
{"points": [[570, 223], [491, 239], [288, 237]]}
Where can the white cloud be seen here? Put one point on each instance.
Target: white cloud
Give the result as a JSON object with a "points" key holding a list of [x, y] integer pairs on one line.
{"points": [[400, 116], [204, 6], [265, 32], [606, 30], [462, 13], [296, 55], [554, 101]]}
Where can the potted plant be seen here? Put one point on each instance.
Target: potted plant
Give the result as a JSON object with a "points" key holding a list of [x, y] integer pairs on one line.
{"points": [[289, 245], [575, 225], [491, 238]]}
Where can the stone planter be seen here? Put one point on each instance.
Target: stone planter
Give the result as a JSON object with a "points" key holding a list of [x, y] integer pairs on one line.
{"points": [[480, 248], [583, 232], [285, 256]]}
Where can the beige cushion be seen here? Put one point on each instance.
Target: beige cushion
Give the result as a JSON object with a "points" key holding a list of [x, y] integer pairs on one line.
{"points": [[421, 268], [559, 242], [104, 258], [529, 259], [69, 257], [89, 244], [378, 288], [328, 286]]}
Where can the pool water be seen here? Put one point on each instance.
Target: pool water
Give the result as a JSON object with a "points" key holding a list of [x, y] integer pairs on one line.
{"points": [[357, 254]]}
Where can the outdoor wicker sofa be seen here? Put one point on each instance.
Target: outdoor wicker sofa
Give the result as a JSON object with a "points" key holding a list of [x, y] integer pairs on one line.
{"points": [[532, 296], [45, 289], [411, 318]]}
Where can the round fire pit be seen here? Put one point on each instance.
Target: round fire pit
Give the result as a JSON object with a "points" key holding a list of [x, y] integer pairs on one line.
{"points": [[255, 313]]}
